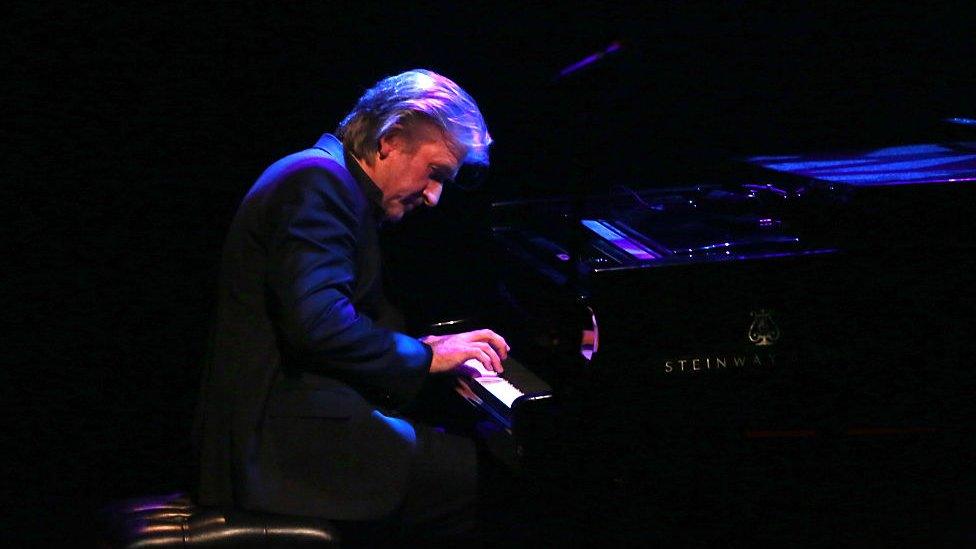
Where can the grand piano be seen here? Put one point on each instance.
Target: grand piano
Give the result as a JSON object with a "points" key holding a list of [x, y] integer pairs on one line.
{"points": [[785, 356]]}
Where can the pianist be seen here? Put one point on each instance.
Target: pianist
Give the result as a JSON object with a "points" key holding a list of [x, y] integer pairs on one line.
{"points": [[308, 370]]}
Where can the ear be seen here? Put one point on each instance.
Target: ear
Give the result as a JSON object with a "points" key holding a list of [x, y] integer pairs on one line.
{"points": [[393, 139]]}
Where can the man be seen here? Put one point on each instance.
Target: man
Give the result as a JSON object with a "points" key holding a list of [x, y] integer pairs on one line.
{"points": [[299, 399]]}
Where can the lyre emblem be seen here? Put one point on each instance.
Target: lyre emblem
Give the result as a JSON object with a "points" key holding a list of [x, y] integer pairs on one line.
{"points": [[763, 331]]}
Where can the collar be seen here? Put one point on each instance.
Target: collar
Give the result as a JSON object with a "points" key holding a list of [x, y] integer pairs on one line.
{"points": [[330, 145]]}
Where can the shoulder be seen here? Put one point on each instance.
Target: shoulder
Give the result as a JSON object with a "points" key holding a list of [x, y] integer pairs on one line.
{"points": [[308, 175]]}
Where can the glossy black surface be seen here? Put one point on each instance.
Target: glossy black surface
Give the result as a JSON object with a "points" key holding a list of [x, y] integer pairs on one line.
{"points": [[761, 370]]}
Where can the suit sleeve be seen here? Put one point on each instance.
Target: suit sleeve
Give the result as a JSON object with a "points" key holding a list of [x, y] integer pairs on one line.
{"points": [[314, 216]]}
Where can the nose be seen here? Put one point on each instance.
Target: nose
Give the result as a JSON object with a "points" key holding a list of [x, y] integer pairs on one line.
{"points": [[432, 193]]}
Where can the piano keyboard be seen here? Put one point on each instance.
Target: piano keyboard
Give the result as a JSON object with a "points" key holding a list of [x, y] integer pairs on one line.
{"points": [[497, 393]]}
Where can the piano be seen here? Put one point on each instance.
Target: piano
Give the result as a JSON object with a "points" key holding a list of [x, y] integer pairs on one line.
{"points": [[499, 394], [787, 356]]}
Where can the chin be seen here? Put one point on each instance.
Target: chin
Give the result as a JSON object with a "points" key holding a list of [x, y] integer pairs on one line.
{"points": [[394, 216]]}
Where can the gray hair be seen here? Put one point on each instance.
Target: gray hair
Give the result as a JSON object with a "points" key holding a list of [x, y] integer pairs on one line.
{"points": [[415, 95]]}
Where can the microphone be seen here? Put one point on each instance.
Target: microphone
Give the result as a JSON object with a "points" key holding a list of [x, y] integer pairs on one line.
{"points": [[590, 60]]}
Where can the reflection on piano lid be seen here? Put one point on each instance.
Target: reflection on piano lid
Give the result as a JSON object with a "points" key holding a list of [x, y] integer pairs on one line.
{"points": [[499, 394], [905, 164], [650, 235], [608, 232]]}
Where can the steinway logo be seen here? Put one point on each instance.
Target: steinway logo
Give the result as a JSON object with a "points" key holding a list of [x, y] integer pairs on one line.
{"points": [[763, 331], [720, 362]]}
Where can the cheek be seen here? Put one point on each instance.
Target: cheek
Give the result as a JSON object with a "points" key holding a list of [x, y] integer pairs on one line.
{"points": [[419, 183]]}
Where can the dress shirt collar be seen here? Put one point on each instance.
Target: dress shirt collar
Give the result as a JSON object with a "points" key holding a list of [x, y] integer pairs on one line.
{"points": [[331, 145]]}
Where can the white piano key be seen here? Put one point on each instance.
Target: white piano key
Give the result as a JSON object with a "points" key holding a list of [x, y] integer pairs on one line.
{"points": [[498, 386]]}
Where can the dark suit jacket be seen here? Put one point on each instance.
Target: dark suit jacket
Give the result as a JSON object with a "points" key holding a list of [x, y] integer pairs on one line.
{"points": [[293, 414]]}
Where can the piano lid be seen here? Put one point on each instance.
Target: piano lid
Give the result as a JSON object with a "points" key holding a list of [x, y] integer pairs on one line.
{"points": [[898, 165]]}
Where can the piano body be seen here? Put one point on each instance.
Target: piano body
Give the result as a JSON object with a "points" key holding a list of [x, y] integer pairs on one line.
{"points": [[789, 356]]}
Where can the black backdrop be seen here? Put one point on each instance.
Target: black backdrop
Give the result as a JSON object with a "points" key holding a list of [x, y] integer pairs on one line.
{"points": [[132, 131]]}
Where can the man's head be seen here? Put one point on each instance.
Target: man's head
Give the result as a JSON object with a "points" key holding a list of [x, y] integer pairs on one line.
{"points": [[411, 133]]}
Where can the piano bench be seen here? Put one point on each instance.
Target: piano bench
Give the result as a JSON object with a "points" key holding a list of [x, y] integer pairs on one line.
{"points": [[175, 521]]}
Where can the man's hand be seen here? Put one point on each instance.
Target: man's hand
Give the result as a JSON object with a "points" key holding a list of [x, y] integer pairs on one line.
{"points": [[450, 351]]}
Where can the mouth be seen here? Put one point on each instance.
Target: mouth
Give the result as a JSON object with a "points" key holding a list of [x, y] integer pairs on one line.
{"points": [[412, 202]]}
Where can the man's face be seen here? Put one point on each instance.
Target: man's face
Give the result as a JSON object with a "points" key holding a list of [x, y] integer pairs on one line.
{"points": [[411, 171]]}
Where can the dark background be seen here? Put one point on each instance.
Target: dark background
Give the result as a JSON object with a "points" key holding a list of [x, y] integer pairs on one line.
{"points": [[132, 131]]}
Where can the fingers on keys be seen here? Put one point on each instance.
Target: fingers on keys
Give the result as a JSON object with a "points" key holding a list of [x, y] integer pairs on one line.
{"points": [[488, 356], [496, 341]]}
